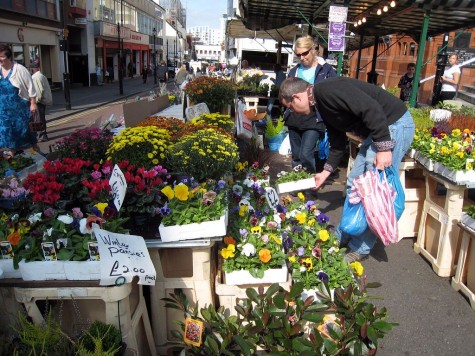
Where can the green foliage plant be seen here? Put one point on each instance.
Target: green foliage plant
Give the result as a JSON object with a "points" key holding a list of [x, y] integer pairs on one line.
{"points": [[46, 339], [421, 117], [100, 339], [222, 335]]}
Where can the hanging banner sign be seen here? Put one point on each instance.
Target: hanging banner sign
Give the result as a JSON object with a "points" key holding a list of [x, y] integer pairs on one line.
{"points": [[338, 14], [337, 27], [123, 257]]}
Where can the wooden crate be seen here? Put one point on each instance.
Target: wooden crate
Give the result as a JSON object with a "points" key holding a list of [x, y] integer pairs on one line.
{"points": [[438, 239], [464, 279], [190, 270]]}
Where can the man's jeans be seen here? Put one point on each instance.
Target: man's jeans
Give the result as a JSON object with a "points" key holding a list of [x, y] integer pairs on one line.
{"points": [[302, 144], [402, 132]]}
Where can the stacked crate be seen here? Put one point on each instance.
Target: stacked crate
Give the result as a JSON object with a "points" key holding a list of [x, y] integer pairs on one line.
{"points": [[188, 269], [464, 279], [438, 237], [413, 182]]}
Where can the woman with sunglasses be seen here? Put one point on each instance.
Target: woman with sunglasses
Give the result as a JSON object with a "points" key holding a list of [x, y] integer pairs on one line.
{"points": [[305, 130]]}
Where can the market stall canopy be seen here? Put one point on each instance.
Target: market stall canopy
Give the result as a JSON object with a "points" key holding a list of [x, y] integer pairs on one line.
{"points": [[405, 17], [235, 28]]}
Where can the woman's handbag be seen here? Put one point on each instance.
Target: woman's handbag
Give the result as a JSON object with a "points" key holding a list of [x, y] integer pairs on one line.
{"points": [[36, 125]]}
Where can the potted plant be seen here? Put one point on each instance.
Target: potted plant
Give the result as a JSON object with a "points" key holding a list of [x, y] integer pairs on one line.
{"points": [[11, 192], [13, 163], [87, 144], [204, 154], [297, 179], [253, 251], [221, 121], [194, 210], [216, 92], [218, 334], [100, 339], [141, 146], [275, 133]]}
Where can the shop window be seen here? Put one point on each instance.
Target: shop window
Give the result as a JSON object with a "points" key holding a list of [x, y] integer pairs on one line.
{"points": [[412, 50], [404, 49], [34, 53], [18, 54]]}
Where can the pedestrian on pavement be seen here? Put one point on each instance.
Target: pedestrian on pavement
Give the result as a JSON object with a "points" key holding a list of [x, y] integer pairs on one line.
{"points": [[162, 72], [306, 130], [17, 102], [351, 105], [181, 75], [405, 83], [110, 72], [99, 74], [450, 79], [44, 96], [144, 74]]}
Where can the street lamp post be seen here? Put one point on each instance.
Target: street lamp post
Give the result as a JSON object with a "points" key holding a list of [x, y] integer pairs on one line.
{"points": [[154, 32], [121, 74]]}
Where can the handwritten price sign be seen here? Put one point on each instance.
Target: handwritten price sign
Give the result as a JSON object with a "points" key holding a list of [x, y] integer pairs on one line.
{"points": [[123, 257], [118, 186]]}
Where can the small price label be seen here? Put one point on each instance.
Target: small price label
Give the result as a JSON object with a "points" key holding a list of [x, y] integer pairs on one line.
{"points": [[272, 197], [469, 164]]}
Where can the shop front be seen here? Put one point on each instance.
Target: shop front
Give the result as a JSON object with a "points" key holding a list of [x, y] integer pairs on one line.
{"points": [[30, 43], [135, 50]]}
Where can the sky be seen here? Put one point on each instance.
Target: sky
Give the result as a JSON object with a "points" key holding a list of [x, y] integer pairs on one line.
{"points": [[204, 12]]}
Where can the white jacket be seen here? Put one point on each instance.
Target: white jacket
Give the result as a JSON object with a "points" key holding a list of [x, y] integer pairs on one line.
{"points": [[43, 90], [21, 79]]}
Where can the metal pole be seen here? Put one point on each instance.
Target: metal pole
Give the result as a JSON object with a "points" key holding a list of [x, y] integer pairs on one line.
{"points": [[420, 56], [441, 62], [121, 79], [154, 58], [174, 53], [66, 80]]}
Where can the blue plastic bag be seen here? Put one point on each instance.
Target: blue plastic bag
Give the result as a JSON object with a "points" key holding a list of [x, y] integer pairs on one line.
{"points": [[353, 220], [393, 179], [323, 147]]}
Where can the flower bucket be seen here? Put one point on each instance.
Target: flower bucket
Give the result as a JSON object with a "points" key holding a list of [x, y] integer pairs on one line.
{"points": [[9, 203], [275, 141]]}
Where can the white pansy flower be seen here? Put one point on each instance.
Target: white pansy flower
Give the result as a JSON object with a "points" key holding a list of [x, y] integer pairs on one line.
{"points": [[34, 218], [303, 269], [248, 183], [67, 219], [237, 189], [82, 226], [248, 250], [48, 232]]}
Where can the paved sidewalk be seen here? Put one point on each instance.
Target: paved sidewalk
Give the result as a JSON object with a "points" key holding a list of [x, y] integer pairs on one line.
{"points": [[84, 98]]}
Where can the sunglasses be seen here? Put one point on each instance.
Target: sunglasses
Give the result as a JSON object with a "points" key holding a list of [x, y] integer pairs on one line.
{"points": [[303, 53]]}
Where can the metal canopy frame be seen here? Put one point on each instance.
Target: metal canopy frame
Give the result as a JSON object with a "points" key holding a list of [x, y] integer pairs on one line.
{"points": [[405, 18]]}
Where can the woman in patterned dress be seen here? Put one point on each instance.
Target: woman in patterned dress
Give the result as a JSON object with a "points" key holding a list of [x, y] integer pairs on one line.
{"points": [[17, 102]]}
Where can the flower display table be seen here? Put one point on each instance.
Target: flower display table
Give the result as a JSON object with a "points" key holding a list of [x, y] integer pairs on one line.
{"points": [[243, 277], [123, 306], [188, 265], [464, 279], [438, 238]]}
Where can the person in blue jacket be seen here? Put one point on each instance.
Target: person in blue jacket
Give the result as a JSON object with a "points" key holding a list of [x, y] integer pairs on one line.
{"points": [[306, 129]]}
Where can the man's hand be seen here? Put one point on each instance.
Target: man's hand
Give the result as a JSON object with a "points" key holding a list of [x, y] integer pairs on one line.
{"points": [[320, 178], [383, 160]]}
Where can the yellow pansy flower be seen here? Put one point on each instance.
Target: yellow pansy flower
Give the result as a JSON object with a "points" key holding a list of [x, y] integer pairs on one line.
{"points": [[323, 235], [301, 217], [301, 196], [101, 207], [228, 252], [168, 191], [256, 229], [357, 268], [181, 192]]}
